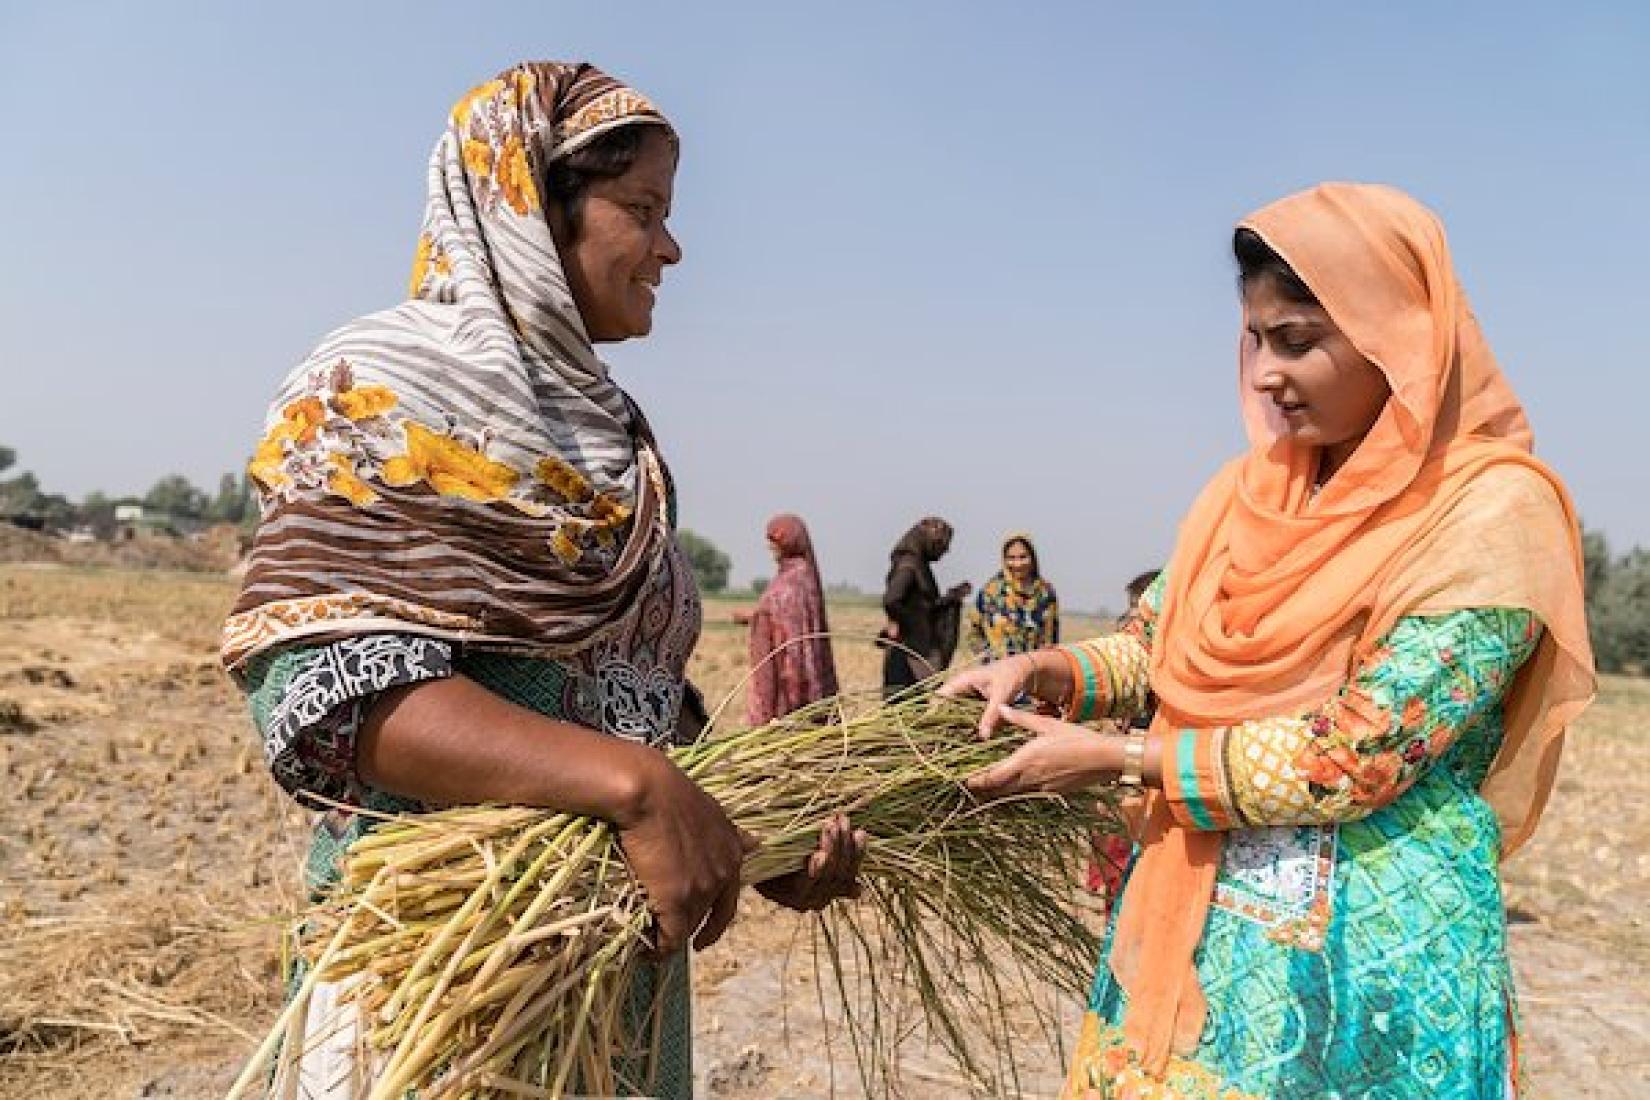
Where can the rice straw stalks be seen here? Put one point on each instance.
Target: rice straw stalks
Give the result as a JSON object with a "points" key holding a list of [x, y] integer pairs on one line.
{"points": [[492, 951]]}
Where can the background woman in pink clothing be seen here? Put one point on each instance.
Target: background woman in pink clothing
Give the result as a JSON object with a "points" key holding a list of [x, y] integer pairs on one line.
{"points": [[791, 662]]}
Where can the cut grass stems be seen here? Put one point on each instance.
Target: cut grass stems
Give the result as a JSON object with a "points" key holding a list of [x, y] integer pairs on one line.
{"points": [[491, 951]]}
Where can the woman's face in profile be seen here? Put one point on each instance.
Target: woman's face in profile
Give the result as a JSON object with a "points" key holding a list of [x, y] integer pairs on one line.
{"points": [[1325, 393], [620, 248]]}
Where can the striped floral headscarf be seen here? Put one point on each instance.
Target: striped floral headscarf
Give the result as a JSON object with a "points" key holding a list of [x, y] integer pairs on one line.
{"points": [[462, 465]]}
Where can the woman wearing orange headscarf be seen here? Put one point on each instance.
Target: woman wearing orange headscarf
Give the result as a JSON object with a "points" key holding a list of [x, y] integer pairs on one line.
{"points": [[1366, 649]]}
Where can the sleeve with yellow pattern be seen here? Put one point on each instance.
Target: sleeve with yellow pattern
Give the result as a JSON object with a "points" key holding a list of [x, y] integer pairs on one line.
{"points": [[1429, 681], [1109, 675]]}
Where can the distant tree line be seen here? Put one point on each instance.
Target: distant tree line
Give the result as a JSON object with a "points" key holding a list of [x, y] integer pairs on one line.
{"points": [[172, 497], [1618, 585], [1618, 605], [710, 565]]}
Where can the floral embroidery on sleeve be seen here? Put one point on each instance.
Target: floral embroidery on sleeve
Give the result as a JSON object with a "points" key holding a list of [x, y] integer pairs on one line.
{"points": [[1430, 679]]}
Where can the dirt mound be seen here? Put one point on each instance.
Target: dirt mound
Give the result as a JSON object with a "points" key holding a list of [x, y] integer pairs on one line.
{"points": [[18, 545], [215, 550]]}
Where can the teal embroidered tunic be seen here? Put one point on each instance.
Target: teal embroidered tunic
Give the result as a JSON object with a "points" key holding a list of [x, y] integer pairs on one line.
{"points": [[1356, 945]]}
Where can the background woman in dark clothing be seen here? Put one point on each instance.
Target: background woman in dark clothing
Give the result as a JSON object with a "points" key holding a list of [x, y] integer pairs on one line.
{"points": [[921, 620]]}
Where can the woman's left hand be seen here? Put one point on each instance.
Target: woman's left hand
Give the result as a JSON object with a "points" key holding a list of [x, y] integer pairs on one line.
{"points": [[832, 871], [1062, 758]]}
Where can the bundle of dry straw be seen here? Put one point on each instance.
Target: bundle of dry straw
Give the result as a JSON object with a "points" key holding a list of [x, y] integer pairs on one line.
{"points": [[490, 951]]}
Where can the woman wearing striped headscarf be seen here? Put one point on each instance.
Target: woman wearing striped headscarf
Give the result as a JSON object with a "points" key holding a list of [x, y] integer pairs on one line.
{"points": [[466, 585], [1365, 650]]}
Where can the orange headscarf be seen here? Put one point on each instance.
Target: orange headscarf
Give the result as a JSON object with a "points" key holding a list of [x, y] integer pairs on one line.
{"points": [[1273, 595]]}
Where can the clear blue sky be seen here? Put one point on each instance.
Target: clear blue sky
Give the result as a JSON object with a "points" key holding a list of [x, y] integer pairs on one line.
{"points": [[965, 259]]}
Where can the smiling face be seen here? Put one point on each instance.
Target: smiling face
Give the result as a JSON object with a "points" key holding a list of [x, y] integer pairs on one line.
{"points": [[616, 250], [1018, 562], [1326, 393]]}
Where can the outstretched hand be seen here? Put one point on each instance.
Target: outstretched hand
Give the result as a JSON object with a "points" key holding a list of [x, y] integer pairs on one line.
{"points": [[999, 684], [1061, 758]]}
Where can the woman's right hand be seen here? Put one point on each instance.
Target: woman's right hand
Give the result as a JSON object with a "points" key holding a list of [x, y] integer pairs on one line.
{"points": [[999, 684], [685, 853], [452, 741]]}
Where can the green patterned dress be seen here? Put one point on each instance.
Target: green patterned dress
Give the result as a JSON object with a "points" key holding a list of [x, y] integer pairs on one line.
{"points": [[308, 702], [1356, 944]]}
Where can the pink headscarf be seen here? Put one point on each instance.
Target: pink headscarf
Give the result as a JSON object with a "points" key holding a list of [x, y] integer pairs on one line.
{"points": [[788, 673]]}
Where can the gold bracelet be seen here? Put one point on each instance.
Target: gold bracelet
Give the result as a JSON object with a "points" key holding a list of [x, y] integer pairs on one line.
{"points": [[1133, 775]]}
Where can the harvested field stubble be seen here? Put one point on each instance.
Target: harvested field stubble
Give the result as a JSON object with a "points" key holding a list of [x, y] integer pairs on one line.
{"points": [[146, 861]]}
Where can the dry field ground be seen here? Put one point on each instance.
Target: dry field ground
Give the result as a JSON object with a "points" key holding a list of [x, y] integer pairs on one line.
{"points": [[145, 861]]}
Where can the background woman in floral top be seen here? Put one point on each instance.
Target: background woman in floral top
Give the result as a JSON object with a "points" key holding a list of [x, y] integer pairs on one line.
{"points": [[1016, 611], [466, 585], [1365, 649]]}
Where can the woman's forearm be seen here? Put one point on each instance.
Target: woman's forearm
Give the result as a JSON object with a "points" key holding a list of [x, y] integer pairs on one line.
{"points": [[452, 741], [1104, 758], [1151, 771]]}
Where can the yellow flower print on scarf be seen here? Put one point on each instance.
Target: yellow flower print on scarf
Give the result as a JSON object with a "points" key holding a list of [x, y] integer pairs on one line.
{"points": [[468, 100], [515, 177], [493, 146], [565, 546], [299, 423], [478, 158], [363, 402], [606, 513], [609, 513], [521, 86], [511, 92], [567, 482], [426, 258], [265, 467], [421, 265], [301, 419], [449, 467], [344, 481]]}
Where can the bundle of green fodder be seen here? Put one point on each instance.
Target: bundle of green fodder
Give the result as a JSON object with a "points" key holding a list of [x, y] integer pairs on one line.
{"points": [[490, 951]]}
